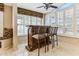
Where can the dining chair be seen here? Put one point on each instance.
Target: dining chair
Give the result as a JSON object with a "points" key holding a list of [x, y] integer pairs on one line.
{"points": [[53, 34], [40, 36]]}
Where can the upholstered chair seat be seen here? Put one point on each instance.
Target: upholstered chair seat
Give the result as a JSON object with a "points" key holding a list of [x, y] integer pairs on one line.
{"points": [[39, 36]]}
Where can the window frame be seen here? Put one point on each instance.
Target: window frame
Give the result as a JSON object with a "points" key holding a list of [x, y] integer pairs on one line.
{"points": [[23, 17]]}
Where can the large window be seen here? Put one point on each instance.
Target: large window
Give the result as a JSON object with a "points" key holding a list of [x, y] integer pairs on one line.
{"points": [[69, 20], [39, 21], [23, 20], [33, 20], [50, 19], [36, 20], [77, 17], [47, 20], [26, 19], [66, 20], [60, 21], [60, 18], [21, 25]]}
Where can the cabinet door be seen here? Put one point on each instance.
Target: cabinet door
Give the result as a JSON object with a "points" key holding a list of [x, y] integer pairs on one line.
{"points": [[1, 24]]}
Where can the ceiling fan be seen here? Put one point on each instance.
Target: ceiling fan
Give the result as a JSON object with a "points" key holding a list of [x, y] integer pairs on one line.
{"points": [[48, 5]]}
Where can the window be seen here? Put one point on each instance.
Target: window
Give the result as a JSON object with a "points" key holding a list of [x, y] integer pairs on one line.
{"points": [[39, 21], [60, 18], [47, 20], [50, 19], [26, 22], [20, 24], [1, 24], [20, 30], [23, 20], [77, 17], [69, 20], [33, 20], [60, 21]]}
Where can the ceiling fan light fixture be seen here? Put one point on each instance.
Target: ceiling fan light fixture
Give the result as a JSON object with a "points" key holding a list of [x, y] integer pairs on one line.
{"points": [[47, 6]]}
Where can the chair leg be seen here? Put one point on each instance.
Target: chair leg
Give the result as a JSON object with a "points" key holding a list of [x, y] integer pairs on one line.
{"points": [[57, 40], [53, 42], [45, 45], [38, 48]]}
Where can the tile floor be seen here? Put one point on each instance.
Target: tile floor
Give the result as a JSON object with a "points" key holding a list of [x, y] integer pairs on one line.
{"points": [[67, 47], [21, 51]]}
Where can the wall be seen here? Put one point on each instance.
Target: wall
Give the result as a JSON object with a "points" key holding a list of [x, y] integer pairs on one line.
{"points": [[7, 17], [1, 24], [7, 28]]}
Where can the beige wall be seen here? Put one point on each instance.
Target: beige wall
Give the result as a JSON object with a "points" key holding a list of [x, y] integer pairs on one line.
{"points": [[7, 23], [1, 24]]}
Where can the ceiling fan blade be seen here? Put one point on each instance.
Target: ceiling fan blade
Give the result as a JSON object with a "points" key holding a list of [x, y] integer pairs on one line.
{"points": [[40, 6], [45, 3], [54, 6], [50, 3]]}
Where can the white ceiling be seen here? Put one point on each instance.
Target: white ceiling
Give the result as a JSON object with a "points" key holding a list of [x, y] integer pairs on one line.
{"points": [[33, 6]]}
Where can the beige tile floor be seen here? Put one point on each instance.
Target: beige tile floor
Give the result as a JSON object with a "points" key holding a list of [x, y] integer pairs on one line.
{"points": [[21, 51], [67, 47]]}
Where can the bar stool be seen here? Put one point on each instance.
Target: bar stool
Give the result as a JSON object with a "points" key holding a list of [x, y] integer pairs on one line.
{"points": [[39, 36]]}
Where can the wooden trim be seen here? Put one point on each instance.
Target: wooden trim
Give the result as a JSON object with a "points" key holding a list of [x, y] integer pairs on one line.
{"points": [[1, 7], [29, 12]]}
